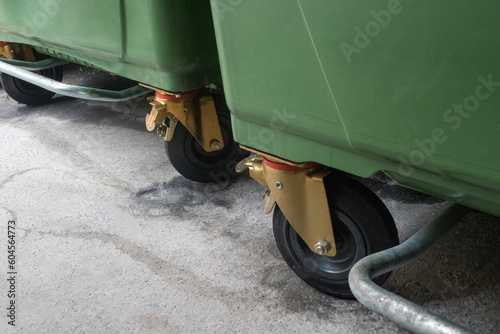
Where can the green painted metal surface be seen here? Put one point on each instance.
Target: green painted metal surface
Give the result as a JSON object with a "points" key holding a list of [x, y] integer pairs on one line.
{"points": [[411, 88], [168, 44]]}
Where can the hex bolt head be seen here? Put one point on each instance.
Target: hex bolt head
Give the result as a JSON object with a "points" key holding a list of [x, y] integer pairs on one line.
{"points": [[278, 184], [161, 130], [215, 145], [321, 247]]}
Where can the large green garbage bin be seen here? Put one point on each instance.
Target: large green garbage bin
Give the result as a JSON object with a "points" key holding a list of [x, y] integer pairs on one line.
{"points": [[166, 44], [409, 88]]}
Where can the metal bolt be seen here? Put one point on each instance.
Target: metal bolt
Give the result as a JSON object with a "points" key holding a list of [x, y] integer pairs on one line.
{"points": [[162, 130], [215, 145], [185, 110], [278, 184], [321, 247]]}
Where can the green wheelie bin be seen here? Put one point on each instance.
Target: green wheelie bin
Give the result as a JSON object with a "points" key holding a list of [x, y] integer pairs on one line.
{"points": [[322, 88], [167, 46]]}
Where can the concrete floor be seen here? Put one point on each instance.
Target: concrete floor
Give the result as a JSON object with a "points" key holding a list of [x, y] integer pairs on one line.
{"points": [[112, 240]]}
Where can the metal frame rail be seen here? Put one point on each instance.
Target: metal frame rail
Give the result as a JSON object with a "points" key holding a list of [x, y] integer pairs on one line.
{"points": [[21, 70], [390, 305]]}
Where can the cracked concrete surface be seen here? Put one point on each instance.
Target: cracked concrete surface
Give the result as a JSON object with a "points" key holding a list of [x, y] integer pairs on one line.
{"points": [[112, 240]]}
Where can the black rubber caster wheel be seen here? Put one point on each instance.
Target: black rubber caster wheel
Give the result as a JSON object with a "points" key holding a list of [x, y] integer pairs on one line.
{"points": [[362, 225], [27, 93], [194, 163]]}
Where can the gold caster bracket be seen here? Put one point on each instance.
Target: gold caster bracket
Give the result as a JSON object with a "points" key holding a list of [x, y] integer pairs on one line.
{"points": [[197, 113], [299, 191], [16, 52]]}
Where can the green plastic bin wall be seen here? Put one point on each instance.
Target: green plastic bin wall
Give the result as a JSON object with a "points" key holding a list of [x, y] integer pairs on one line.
{"points": [[168, 44], [411, 88]]}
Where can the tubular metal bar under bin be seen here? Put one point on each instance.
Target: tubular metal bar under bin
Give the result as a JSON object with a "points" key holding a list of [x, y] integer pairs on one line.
{"points": [[390, 305], [80, 92]]}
